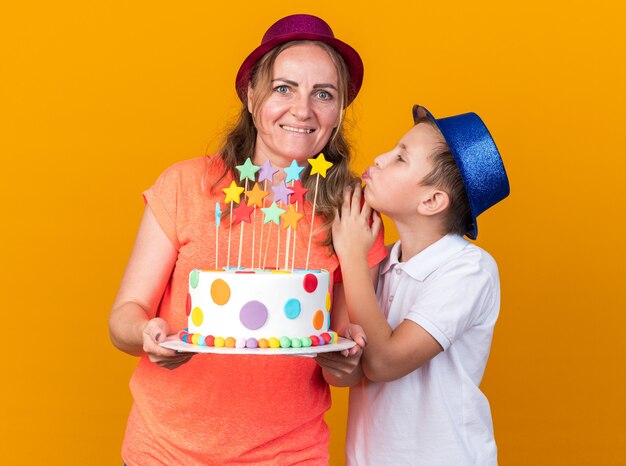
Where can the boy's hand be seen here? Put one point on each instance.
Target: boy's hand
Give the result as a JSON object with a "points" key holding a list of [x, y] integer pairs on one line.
{"points": [[353, 236]]}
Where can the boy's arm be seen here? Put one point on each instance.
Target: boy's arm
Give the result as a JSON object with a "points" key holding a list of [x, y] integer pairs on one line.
{"points": [[390, 354]]}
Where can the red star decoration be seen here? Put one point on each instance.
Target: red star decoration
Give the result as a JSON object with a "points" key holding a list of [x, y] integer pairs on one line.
{"points": [[242, 213], [298, 192]]}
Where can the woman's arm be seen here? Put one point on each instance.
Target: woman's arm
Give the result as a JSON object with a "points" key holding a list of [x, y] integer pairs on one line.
{"points": [[342, 369], [132, 325], [391, 353]]}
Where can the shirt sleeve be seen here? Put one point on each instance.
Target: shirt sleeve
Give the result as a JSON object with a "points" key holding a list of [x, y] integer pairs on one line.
{"points": [[162, 198], [457, 297]]}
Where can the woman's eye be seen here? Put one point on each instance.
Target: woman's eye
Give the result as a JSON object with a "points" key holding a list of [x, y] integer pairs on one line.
{"points": [[281, 89], [399, 158], [324, 95]]}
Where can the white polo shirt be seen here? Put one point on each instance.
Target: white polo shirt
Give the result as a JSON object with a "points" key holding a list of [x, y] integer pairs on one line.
{"points": [[435, 415]]}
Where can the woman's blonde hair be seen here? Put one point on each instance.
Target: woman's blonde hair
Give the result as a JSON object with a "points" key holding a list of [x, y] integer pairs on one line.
{"points": [[239, 143]]}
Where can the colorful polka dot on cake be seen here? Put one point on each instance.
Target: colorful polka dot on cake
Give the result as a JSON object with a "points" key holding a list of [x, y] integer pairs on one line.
{"points": [[194, 278], [253, 315], [310, 283], [292, 308], [318, 320], [220, 292], [197, 317]]}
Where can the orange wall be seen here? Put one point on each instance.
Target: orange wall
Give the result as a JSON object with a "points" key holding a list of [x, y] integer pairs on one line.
{"points": [[97, 98]]}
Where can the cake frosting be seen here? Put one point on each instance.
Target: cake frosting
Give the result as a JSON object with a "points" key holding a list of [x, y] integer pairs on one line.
{"points": [[256, 308]]}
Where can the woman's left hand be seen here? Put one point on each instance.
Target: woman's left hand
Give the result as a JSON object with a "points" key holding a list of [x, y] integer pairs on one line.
{"points": [[344, 366]]}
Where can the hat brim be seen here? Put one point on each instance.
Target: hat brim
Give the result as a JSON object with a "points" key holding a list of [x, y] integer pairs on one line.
{"points": [[349, 55]]}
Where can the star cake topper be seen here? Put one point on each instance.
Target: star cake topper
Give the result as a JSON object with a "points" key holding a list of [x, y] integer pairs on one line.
{"points": [[247, 170], [320, 165], [233, 193], [272, 213]]}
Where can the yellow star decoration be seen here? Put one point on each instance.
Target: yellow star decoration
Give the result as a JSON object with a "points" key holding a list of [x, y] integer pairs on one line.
{"points": [[233, 192], [320, 165], [291, 218], [256, 196]]}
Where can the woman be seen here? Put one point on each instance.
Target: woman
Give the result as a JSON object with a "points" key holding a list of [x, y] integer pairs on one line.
{"points": [[221, 409]]}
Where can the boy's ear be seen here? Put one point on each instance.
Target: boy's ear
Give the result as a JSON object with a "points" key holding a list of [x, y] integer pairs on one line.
{"points": [[435, 203]]}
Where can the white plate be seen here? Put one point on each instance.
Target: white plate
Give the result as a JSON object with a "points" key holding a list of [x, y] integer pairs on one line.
{"points": [[174, 343]]}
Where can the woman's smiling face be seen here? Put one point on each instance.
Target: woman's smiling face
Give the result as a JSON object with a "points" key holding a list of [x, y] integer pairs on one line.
{"points": [[298, 118]]}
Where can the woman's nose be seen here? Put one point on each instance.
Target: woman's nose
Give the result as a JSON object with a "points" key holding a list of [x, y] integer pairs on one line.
{"points": [[300, 107]]}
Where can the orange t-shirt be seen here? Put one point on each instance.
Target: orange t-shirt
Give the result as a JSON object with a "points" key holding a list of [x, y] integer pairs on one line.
{"points": [[225, 409]]}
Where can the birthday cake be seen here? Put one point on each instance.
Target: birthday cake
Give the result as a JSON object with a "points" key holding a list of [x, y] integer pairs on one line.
{"points": [[257, 308], [239, 307]]}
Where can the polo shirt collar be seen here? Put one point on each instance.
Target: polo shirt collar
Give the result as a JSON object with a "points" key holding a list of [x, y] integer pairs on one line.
{"points": [[427, 261]]}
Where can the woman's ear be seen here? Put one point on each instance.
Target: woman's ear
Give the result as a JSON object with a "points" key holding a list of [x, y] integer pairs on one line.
{"points": [[434, 204]]}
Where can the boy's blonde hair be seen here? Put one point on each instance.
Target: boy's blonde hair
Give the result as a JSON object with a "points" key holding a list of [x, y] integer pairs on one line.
{"points": [[445, 175]]}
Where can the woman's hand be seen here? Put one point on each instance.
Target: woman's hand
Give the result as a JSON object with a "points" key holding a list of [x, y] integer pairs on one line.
{"points": [[342, 368], [355, 227], [155, 332]]}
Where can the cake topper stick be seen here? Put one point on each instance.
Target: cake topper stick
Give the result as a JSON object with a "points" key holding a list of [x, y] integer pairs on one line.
{"points": [[290, 222], [266, 174], [247, 171], [277, 245], [218, 215], [267, 246], [262, 228], [287, 246], [233, 194], [255, 198], [272, 214], [296, 197], [241, 235], [293, 174], [281, 195], [319, 165]]}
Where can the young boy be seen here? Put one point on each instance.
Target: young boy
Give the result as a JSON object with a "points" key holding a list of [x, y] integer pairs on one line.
{"points": [[429, 324]]}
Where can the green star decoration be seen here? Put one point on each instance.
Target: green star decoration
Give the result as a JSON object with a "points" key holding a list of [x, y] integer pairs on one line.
{"points": [[272, 213], [233, 193], [320, 165], [247, 170]]}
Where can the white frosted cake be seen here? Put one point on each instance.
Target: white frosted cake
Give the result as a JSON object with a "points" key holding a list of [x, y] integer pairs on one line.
{"points": [[256, 308]]}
